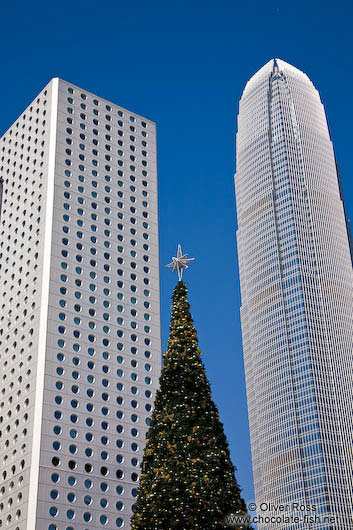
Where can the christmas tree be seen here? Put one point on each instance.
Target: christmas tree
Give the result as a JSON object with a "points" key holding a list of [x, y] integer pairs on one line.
{"points": [[187, 480]]}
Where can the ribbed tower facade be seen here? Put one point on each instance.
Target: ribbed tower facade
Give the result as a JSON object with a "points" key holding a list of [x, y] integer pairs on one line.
{"points": [[80, 353], [297, 301]]}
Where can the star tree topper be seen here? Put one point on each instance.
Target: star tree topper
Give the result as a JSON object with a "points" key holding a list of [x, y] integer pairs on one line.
{"points": [[180, 262]]}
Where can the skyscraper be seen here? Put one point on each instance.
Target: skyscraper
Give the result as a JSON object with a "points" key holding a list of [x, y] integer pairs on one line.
{"points": [[297, 301], [80, 327]]}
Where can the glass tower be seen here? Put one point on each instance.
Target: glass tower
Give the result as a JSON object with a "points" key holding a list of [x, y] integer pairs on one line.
{"points": [[80, 353], [297, 302]]}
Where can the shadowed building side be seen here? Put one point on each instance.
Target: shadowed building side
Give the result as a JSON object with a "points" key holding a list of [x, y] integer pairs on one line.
{"points": [[1, 189], [348, 221]]}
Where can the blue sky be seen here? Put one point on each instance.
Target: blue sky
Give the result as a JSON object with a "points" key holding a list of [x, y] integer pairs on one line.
{"points": [[184, 65]]}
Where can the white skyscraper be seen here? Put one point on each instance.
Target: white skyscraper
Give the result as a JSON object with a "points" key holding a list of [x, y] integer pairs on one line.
{"points": [[297, 301], [80, 352]]}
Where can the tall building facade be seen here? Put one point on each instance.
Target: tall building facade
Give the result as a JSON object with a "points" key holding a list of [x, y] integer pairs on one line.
{"points": [[297, 302], [80, 346]]}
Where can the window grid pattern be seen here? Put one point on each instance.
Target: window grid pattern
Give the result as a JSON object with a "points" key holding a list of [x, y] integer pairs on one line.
{"points": [[296, 283], [23, 166], [103, 354]]}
